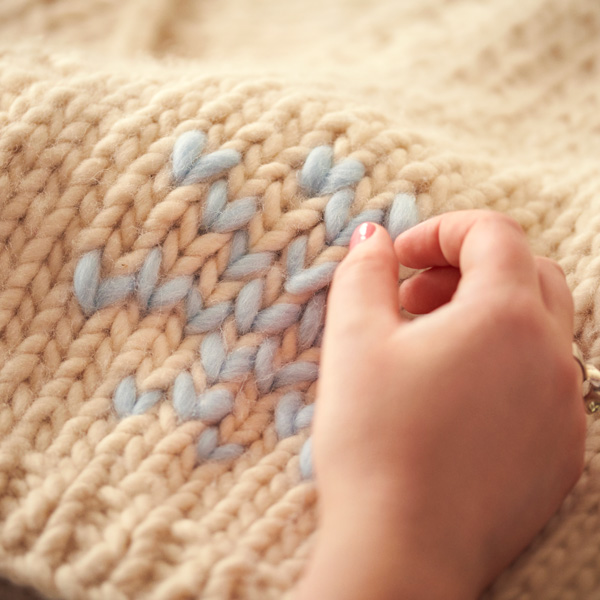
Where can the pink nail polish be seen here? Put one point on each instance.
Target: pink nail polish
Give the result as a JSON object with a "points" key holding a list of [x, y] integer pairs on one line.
{"points": [[361, 233]]}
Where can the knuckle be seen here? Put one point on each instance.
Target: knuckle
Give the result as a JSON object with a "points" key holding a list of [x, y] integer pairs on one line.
{"points": [[502, 219], [521, 313], [506, 230]]}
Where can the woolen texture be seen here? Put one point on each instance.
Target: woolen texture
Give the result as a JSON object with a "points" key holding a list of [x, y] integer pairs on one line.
{"points": [[161, 301]]}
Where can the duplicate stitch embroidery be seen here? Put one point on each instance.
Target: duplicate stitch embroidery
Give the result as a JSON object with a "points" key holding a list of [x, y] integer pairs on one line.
{"points": [[319, 176]]}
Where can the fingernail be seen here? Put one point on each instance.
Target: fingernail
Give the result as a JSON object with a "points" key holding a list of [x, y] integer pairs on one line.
{"points": [[361, 233]]}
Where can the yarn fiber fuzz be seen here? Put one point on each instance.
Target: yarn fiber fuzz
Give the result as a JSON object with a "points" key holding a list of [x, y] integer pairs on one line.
{"points": [[176, 190]]}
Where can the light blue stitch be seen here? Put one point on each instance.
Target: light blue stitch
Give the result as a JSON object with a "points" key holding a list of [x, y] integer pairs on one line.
{"points": [[114, 289], [403, 214], [212, 164], [211, 406], [216, 201], [264, 368], [276, 318], [317, 165], [292, 415], [285, 414], [202, 320], [312, 321], [345, 174], [125, 396], [337, 213], [222, 367], [318, 176], [296, 372], [94, 294], [148, 277], [146, 401], [372, 215], [207, 442], [186, 150], [239, 245], [306, 462], [249, 264], [227, 452], [301, 281], [193, 303], [207, 447], [184, 396], [311, 279], [212, 356], [127, 403], [87, 279], [171, 292], [235, 215], [238, 363], [296, 255], [305, 416], [248, 304], [209, 318]]}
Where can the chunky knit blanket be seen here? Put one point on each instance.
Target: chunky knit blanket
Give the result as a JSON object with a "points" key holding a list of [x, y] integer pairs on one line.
{"points": [[178, 181]]}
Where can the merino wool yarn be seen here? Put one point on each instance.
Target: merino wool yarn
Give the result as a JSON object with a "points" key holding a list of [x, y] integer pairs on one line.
{"points": [[178, 181]]}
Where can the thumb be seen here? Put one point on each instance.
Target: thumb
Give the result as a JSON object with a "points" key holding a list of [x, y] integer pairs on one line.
{"points": [[364, 290]]}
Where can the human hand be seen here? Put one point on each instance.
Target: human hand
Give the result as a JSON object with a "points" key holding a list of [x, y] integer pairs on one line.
{"points": [[443, 444]]}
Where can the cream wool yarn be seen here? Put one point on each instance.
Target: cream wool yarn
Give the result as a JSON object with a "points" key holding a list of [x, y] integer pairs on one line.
{"points": [[154, 409]]}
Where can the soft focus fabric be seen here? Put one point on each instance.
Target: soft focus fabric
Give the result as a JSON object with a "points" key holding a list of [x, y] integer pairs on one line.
{"points": [[153, 425]]}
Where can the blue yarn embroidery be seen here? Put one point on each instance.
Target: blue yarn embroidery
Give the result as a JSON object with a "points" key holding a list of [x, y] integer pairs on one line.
{"points": [[318, 176], [306, 464], [190, 166]]}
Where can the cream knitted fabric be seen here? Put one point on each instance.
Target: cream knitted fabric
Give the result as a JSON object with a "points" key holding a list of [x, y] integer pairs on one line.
{"points": [[178, 181]]}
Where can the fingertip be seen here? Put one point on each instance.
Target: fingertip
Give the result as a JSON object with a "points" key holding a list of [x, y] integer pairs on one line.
{"points": [[366, 230], [412, 247], [371, 243], [399, 246], [366, 281], [481, 243]]}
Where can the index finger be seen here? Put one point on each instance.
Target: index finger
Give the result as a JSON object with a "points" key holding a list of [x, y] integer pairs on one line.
{"points": [[489, 244]]}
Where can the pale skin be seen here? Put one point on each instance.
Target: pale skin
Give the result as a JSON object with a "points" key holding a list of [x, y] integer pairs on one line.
{"points": [[441, 445]]}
